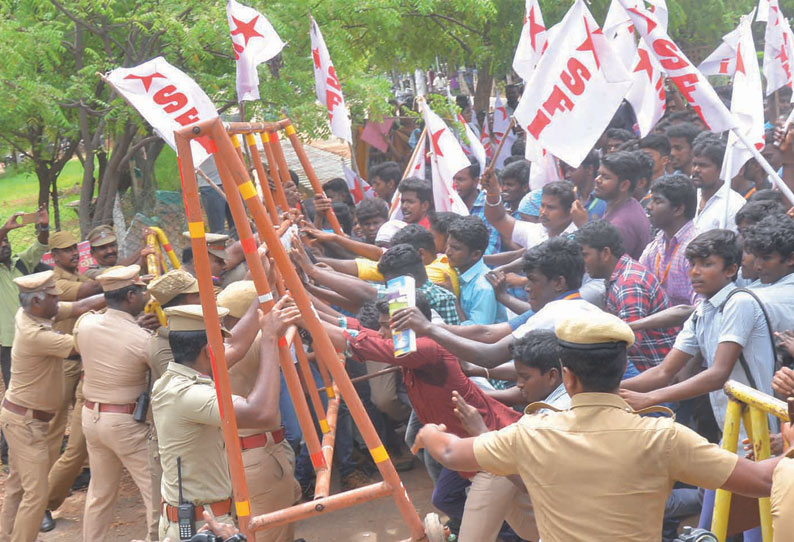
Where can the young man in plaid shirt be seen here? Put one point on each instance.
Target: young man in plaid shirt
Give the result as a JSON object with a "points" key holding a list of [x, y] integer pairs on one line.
{"points": [[632, 292]]}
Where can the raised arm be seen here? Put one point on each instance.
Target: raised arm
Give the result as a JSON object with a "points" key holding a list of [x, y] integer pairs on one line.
{"points": [[494, 210], [671, 317]]}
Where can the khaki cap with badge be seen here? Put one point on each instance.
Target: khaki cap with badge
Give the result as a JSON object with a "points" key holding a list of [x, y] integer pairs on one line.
{"points": [[119, 277], [38, 282], [175, 282], [216, 243], [593, 331], [101, 235], [191, 318], [237, 297], [62, 239]]}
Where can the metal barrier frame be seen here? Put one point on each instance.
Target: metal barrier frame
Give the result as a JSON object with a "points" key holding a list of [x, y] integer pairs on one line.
{"points": [[748, 405], [239, 190]]}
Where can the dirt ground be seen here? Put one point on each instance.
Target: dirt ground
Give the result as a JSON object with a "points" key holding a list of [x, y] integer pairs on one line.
{"points": [[375, 521]]}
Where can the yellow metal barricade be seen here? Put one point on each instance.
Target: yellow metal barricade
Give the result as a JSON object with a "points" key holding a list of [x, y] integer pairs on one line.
{"points": [[748, 405], [155, 265]]}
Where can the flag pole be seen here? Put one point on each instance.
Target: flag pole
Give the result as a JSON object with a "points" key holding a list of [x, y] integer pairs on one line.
{"points": [[492, 165], [419, 146], [766, 165]]}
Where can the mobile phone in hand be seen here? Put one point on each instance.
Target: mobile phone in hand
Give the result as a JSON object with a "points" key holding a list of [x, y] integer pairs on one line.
{"points": [[28, 218]]}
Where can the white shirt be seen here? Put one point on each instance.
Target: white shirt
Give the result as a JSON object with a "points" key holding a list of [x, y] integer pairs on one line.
{"points": [[713, 214], [530, 234], [547, 317]]}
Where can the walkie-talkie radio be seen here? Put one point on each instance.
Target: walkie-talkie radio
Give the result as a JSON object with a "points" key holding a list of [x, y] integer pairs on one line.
{"points": [[186, 511]]}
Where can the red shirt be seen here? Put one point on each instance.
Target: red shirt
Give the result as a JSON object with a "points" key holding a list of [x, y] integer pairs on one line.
{"points": [[431, 374]]}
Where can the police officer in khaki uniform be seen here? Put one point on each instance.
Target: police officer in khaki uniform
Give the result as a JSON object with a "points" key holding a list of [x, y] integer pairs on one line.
{"points": [[105, 251], [34, 395], [187, 416], [68, 466], [598, 471], [268, 458], [782, 498], [116, 364], [227, 261]]}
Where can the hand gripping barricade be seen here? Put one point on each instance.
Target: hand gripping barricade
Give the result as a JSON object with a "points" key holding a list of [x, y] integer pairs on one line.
{"points": [[242, 193], [155, 265], [751, 407]]}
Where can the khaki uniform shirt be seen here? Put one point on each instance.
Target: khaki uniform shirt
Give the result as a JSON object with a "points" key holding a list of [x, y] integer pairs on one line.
{"points": [[69, 283], [783, 500], [188, 422], [37, 361], [242, 377], [115, 356], [600, 472], [160, 354]]}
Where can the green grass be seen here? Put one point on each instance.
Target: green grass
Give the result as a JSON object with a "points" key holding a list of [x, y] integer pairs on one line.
{"points": [[19, 191]]}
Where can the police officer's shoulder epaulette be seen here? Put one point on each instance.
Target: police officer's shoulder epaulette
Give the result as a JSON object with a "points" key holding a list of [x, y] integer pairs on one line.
{"points": [[540, 405], [658, 409]]}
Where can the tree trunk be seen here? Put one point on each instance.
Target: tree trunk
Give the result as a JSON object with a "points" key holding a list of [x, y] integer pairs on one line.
{"points": [[482, 92], [103, 213], [56, 212]]}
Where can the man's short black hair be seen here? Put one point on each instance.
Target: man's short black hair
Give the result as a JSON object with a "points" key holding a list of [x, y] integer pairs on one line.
{"points": [[645, 163], [116, 297], [685, 130], [772, 234], [722, 243], [518, 148], [186, 345], [599, 370], [624, 165], [422, 188], [401, 260], [563, 191], [557, 257], [620, 134], [538, 349], [368, 315], [679, 190], [336, 184], [592, 160], [471, 231], [767, 194], [656, 142], [518, 170], [387, 171], [474, 168], [179, 299], [461, 100], [344, 216], [369, 208], [382, 304], [600, 234], [711, 148], [440, 221], [754, 212], [187, 255], [416, 236]]}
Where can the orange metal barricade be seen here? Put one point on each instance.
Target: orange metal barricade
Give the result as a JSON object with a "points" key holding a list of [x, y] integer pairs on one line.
{"points": [[239, 190]]}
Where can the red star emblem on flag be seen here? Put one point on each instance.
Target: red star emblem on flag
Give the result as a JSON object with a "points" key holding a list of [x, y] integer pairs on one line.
{"points": [[739, 60], [316, 58], [146, 79], [588, 45], [644, 63], [651, 24], [435, 137], [534, 28], [248, 29]]}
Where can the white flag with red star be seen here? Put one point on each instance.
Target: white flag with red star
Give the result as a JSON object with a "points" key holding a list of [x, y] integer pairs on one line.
{"points": [[447, 158], [359, 188], [255, 41], [500, 124], [693, 85], [168, 100], [747, 102], [577, 86], [777, 63], [327, 87], [485, 137], [475, 147], [532, 42]]}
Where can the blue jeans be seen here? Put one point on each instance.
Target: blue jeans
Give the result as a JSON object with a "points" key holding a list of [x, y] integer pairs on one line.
{"points": [[216, 208], [289, 419], [449, 493]]}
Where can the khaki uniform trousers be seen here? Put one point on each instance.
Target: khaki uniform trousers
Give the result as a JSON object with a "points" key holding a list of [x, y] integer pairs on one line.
{"points": [[26, 486], [383, 393], [114, 441], [272, 486], [156, 475], [171, 530], [70, 464], [72, 373], [491, 500]]}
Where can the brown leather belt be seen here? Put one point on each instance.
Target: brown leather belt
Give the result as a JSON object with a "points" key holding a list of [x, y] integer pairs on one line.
{"points": [[40, 415], [260, 440], [128, 408], [221, 508]]}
